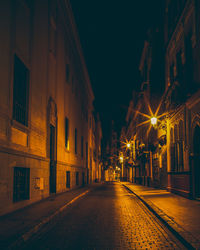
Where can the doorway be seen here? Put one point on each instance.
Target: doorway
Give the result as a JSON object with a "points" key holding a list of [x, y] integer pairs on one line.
{"points": [[68, 179], [196, 162], [52, 177]]}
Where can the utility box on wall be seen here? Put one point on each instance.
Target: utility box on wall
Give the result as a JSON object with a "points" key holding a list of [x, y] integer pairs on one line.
{"points": [[39, 183]]}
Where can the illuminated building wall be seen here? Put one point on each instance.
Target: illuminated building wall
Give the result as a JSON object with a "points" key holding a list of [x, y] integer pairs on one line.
{"points": [[147, 169], [182, 81], [45, 103]]}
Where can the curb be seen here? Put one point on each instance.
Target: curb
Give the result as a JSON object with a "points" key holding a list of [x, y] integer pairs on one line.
{"points": [[185, 237], [26, 236]]}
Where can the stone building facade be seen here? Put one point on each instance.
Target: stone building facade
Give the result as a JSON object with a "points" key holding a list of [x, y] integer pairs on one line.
{"points": [[173, 149], [182, 81], [46, 103]]}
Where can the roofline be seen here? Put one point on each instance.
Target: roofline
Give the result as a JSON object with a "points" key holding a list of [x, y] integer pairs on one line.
{"points": [[78, 45]]}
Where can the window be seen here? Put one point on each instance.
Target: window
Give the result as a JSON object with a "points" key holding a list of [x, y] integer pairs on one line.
{"points": [[77, 178], [82, 146], [66, 132], [20, 92], [177, 162], [75, 140], [21, 184], [52, 35], [68, 179]]}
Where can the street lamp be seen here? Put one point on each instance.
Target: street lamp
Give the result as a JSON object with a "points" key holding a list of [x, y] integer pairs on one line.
{"points": [[154, 120]]}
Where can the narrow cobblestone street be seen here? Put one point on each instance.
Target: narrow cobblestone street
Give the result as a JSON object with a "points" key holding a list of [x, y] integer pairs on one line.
{"points": [[108, 218]]}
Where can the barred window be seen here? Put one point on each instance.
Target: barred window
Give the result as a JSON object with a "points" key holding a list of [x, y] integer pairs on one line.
{"points": [[20, 92]]}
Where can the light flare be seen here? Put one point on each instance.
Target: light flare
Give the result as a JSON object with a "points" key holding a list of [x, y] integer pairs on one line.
{"points": [[153, 119]]}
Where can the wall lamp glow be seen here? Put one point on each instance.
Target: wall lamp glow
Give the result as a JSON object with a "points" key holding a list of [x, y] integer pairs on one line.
{"points": [[154, 121]]}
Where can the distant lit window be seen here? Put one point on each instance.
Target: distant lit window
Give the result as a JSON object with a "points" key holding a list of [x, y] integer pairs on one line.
{"points": [[20, 92]]}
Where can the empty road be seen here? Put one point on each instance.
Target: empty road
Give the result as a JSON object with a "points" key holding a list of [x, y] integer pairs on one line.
{"points": [[110, 217]]}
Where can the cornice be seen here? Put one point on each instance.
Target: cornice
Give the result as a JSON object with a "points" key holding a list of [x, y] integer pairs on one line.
{"points": [[65, 6]]}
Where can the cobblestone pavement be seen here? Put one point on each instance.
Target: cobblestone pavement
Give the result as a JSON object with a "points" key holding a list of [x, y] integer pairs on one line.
{"points": [[108, 218]]}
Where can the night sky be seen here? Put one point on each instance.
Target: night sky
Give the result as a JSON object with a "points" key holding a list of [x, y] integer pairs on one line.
{"points": [[112, 35]]}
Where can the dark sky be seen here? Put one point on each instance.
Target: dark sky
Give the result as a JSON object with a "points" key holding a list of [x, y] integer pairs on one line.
{"points": [[112, 36]]}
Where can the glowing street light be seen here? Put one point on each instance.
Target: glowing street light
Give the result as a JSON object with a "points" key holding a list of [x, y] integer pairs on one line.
{"points": [[128, 145], [154, 121], [121, 158]]}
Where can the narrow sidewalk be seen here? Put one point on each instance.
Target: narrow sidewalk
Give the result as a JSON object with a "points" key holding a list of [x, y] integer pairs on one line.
{"points": [[19, 226], [181, 215]]}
